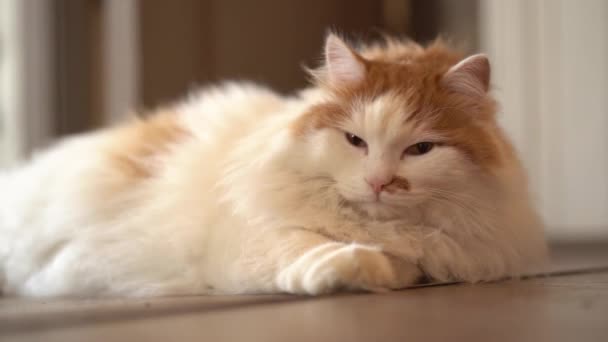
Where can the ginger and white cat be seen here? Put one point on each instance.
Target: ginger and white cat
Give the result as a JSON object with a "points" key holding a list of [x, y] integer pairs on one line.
{"points": [[389, 168]]}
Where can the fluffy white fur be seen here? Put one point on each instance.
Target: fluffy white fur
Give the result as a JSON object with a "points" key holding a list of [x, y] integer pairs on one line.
{"points": [[243, 206]]}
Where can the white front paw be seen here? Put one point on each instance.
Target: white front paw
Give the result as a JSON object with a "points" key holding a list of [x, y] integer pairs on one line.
{"points": [[334, 266]]}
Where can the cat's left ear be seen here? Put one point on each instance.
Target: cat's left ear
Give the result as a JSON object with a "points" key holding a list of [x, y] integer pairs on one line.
{"points": [[471, 76], [344, 66]]}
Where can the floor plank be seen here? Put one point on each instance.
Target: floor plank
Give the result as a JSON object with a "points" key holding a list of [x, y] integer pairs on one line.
{"points": [[571, 304]]}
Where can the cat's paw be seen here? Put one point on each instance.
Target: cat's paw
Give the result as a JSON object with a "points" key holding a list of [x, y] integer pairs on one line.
{"points": [[336, 266]]}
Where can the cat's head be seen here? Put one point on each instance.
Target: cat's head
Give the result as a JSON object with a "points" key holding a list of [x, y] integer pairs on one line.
{"points": [[400, 124]]}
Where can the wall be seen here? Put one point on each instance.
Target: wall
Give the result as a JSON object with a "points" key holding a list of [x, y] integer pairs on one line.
{"points": [[550, 62], [26, 77], [186, 43]]}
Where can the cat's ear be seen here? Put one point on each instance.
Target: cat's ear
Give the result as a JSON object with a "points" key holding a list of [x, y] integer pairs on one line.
{"points": [[344, 66], [471, 76]]}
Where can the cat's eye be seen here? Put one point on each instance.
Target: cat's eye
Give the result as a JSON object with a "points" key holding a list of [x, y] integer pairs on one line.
{"points": [[419, 148], [355, 140]]}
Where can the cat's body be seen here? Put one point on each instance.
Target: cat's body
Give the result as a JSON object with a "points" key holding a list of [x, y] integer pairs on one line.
{"points": [[240, 190]]}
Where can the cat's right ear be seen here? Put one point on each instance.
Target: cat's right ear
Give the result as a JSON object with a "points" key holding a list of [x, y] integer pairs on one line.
{"points": [[344, 66], [470, 77]]}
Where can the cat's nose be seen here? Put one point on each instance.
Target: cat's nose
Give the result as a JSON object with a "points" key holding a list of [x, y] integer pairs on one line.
{"points": [[378, 183]]}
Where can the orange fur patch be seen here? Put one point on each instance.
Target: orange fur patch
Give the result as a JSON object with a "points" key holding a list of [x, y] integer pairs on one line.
{"points": [[133, 148], [325, 115], [414, 73], [398, 183]]}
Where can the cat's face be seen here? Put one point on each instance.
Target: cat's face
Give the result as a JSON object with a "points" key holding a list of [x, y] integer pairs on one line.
{"points": [[395, 134]]}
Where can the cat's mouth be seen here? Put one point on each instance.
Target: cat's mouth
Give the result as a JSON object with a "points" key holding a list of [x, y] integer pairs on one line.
{"points": [[386, 202], [374, 207], [376, 210], [373, 199], [370, 200]]}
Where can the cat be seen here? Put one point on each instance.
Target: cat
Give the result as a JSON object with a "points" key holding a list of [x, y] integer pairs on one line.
{"points": [[388, 169]]}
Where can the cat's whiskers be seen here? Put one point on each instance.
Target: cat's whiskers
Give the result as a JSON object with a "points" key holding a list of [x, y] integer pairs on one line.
{"points": [[476, 212]]}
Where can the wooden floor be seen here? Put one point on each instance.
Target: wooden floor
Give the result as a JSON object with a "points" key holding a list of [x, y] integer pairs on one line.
{"points": [[569, 305]]}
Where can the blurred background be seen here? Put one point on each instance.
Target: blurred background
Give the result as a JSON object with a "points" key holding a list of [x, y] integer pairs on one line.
{"points": [[68, 66]]}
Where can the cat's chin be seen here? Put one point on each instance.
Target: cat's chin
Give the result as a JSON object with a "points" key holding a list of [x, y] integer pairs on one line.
{"points": [[380, 211], [377, 209]]}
